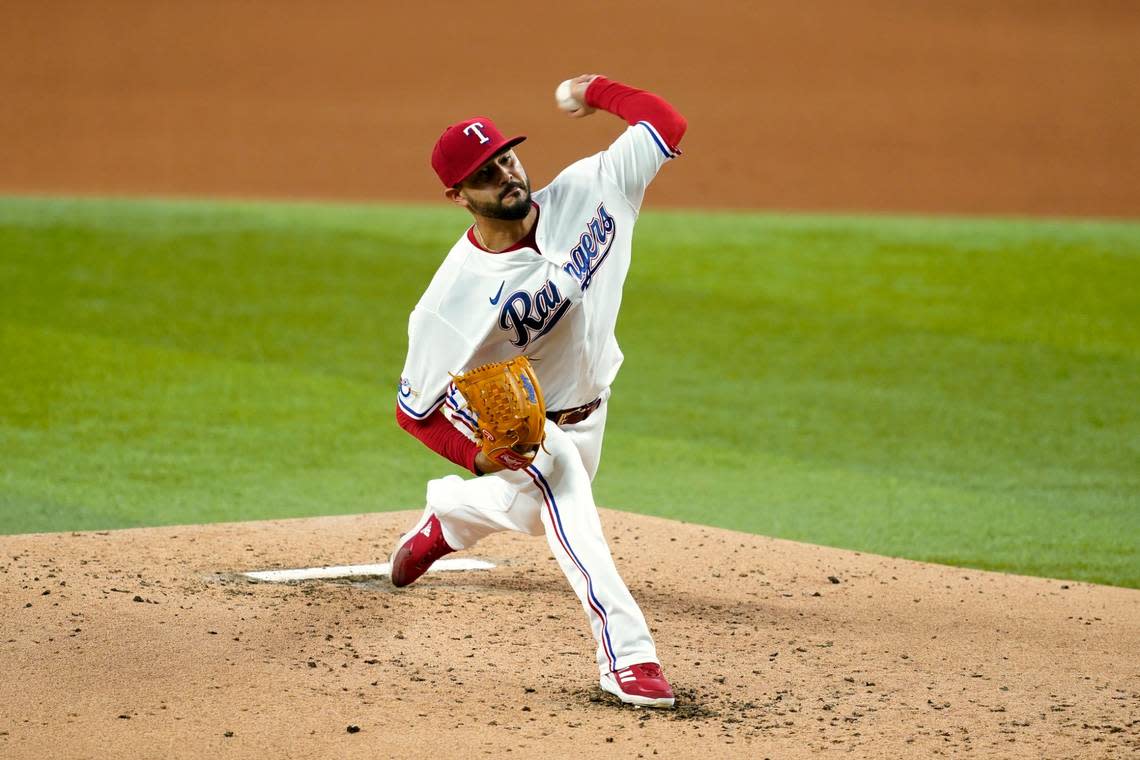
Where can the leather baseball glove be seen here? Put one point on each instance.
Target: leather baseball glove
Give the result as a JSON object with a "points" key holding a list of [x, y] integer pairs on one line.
{"points": [[507, 402]]}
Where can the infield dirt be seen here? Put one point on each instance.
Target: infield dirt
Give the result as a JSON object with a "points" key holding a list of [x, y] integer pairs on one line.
{"points": [[972, 106], [149, 643]]}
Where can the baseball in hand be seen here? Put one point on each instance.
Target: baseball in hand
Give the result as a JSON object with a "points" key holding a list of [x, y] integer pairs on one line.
{"points": [[566, 101]]}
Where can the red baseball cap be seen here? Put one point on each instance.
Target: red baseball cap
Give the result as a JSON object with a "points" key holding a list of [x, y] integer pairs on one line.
{"points": [[464, 147]]}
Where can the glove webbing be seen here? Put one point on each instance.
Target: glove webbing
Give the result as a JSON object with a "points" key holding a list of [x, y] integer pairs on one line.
{"points": [[499, 404]]}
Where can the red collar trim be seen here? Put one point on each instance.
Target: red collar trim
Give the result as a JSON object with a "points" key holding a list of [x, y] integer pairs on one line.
{"points": [[528, 240]]}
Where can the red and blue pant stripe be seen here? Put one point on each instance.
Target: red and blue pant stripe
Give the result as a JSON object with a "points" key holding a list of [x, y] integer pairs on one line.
{"points": [[559, 531]]}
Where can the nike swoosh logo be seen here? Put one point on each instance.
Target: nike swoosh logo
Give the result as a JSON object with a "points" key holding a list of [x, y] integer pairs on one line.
{"points": [[495, 301]]}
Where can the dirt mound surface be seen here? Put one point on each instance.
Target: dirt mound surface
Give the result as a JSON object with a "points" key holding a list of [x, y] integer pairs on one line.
{"points": [[150, 643]]}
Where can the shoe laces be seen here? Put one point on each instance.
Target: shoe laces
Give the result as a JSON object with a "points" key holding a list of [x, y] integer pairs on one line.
{"points": [[647, 670]]}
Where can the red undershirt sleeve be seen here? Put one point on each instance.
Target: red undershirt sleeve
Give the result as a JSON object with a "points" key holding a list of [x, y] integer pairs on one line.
{"points": [[439, 435], [636, 105]]}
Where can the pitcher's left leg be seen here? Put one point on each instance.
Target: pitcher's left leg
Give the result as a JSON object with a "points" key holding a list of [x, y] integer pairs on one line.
{"points": [[560, 481]]}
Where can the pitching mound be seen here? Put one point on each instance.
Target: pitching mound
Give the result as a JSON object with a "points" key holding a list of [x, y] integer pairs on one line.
{"points": [[149, 643]]}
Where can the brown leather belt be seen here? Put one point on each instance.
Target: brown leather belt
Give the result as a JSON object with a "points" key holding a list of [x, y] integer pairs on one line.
{"points": [[575, 415]]}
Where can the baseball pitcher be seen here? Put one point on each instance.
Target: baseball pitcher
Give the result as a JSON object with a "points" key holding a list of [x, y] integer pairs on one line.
{"points": [[511, 354]]}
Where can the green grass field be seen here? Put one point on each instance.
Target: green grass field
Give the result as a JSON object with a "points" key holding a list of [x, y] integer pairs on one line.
{"points": [[957, 391]]}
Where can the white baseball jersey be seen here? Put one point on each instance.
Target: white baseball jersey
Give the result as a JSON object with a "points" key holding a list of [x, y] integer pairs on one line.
{"points": [[559, 307]]}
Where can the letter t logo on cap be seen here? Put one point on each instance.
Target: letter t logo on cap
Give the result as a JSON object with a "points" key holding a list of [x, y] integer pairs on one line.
{"points": [[456, 155], [476, 127]]}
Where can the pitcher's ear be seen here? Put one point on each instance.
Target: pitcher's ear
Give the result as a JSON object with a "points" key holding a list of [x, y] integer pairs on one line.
{"points": [[455, 195]]}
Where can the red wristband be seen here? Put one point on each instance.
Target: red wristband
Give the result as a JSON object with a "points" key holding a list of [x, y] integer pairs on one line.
{"points": [[636, 105], [438, 434]]}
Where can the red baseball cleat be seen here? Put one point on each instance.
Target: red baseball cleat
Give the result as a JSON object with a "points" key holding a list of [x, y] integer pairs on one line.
{"points": [[418, 549], [642, 685]]}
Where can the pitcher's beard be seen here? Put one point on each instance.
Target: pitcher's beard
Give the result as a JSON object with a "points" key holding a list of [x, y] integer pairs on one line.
{"points": [[499, 210]]}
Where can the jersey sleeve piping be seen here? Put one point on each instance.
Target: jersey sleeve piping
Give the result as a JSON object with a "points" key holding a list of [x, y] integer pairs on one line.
{"points": [[403, 393], [418, 415], [661, 145]]}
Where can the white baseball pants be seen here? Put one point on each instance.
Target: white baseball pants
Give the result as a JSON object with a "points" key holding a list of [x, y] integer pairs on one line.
{"points": [[553, 496]]}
